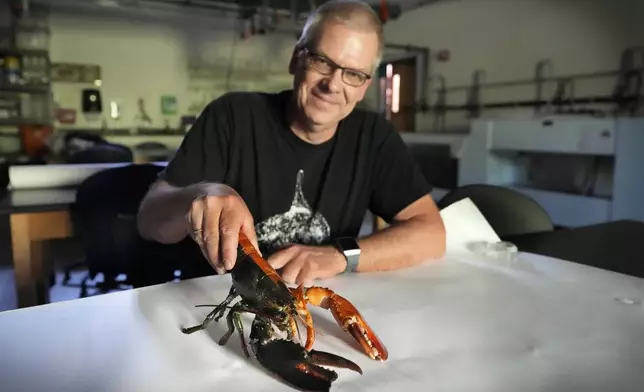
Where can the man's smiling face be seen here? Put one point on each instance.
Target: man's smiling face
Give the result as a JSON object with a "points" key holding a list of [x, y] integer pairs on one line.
{"points": [[325, 93]]}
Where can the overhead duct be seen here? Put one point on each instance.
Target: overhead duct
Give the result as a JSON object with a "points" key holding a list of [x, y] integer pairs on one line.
{"points": [[251, 17], [294, 10]]}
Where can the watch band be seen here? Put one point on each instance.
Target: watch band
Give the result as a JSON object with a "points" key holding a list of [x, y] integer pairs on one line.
{"points": [[351, 250]]}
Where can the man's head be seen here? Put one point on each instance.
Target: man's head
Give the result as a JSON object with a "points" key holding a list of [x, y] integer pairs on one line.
{"points": [[340, 48]]}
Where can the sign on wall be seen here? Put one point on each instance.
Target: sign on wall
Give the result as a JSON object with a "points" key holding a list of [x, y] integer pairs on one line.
{"points": [[168, 105]]}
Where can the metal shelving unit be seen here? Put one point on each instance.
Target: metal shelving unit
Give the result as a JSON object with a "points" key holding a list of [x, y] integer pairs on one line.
{"points": [[26, 99]]}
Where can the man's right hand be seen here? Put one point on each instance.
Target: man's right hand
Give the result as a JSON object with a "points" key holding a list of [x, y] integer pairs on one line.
{"points": [[215, 220]]}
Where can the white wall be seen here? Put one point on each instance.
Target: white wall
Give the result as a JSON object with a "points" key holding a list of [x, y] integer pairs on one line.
{"points": [[146, 56], [507, 38]]}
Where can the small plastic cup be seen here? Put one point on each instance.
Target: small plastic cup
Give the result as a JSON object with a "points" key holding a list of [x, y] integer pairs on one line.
{"points": [[503, 253]]}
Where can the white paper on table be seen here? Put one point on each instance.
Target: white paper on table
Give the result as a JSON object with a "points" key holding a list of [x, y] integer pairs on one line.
{"points": [[464, 225]]}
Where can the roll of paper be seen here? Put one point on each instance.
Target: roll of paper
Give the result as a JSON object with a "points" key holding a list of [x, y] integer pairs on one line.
{"points": [[56, 176]]}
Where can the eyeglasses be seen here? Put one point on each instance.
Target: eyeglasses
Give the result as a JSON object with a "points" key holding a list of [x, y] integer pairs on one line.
{"points": [[326, 66]]}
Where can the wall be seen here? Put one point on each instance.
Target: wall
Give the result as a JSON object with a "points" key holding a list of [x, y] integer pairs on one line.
{"points": [[507, 39], [146, 55]]}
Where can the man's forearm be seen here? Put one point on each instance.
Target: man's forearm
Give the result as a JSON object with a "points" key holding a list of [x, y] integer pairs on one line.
{"points": [[403, 244], [162, 214]]}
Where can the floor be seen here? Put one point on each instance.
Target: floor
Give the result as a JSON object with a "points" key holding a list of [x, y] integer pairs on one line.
{"points": [[57, 293], [62, 253]]}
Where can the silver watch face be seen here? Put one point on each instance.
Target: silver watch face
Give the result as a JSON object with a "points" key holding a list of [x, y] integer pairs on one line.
{"points": [[352, 252], [352, 263]]}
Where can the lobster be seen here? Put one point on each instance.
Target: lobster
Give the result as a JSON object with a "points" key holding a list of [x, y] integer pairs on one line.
{"points": [[275, 305]]}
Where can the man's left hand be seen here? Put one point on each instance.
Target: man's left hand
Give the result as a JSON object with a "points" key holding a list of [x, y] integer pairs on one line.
{"points": [[303, 263]]}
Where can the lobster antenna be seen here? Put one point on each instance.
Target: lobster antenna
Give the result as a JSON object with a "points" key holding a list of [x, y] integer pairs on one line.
{"points": [[299, 331]]}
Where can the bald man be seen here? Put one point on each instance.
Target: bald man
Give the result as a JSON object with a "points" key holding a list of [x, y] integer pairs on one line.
{"points": [[297, 170]]}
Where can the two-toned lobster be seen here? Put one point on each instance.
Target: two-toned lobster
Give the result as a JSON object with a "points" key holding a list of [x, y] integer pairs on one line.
{"points": [[275, 305]]}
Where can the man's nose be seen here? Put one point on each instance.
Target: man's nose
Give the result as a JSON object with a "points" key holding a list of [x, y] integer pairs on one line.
{"points": [[334, 81]]}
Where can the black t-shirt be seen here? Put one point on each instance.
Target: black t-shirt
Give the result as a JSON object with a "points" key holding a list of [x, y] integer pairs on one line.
{"points": [[298, 192]]}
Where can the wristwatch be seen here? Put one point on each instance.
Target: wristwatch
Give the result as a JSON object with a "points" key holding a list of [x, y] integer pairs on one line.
{"points": [[351, 250]]}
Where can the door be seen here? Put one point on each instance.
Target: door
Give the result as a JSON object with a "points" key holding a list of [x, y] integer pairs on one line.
{"points": [[398, 93]]}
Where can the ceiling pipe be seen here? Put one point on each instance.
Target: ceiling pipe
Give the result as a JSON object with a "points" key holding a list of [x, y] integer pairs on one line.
{"points": [[142, 5], [136, 9], [410, 6]]}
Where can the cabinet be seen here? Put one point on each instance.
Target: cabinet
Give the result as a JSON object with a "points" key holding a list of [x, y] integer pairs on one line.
{"points": [[583, 171]]}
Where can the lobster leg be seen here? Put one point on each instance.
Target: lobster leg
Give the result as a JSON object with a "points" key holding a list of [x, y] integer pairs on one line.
{"points": [[215, 315], [300, 302], [234, 321], [345, 314]]}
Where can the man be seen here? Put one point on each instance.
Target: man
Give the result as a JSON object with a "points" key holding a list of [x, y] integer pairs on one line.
{"points": [[296, 171]]}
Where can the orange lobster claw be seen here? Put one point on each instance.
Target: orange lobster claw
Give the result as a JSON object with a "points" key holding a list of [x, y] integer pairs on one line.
{"points": [[345, 314]]}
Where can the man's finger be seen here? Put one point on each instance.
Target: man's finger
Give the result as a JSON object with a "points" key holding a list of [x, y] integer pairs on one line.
{"points": [[217, 267], [195, 225], [229, 226], [280, 258], [292, 269], [211, 237], [248, 229], [307, 274]]}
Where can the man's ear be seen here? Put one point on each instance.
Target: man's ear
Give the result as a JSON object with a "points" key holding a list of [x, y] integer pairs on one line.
{"points": [[292, 65], [365, 87]]}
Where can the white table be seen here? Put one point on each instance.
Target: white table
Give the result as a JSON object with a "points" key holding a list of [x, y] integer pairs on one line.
{"points": [[450, 325]]}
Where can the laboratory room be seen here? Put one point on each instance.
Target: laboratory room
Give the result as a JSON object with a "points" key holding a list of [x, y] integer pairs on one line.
{"points": [[323, 195]]}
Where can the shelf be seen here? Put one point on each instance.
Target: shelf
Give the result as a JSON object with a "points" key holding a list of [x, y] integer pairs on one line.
{"points": [[127, 131], [23, 121], [42, 89], [24, 52]]}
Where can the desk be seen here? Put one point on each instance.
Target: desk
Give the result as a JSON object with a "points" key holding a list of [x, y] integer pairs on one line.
{"points": [[449, 325], [616, 246], [36, 216]]}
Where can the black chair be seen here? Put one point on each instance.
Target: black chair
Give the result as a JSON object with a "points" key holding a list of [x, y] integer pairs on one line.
{"points": [[102, 153], [509, 212], [153, 151], [104, 218]]}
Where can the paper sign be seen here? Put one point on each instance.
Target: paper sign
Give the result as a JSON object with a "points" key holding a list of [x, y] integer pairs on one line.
{"points": [[168, 105]]}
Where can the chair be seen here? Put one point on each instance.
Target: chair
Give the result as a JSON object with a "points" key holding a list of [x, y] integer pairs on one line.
{"points": [[153, 151], [509, 212], [104, 217], [102, 153]]}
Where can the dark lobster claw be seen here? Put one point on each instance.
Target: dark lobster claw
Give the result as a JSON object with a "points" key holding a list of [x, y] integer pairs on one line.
{"points": [[301, 368]]}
